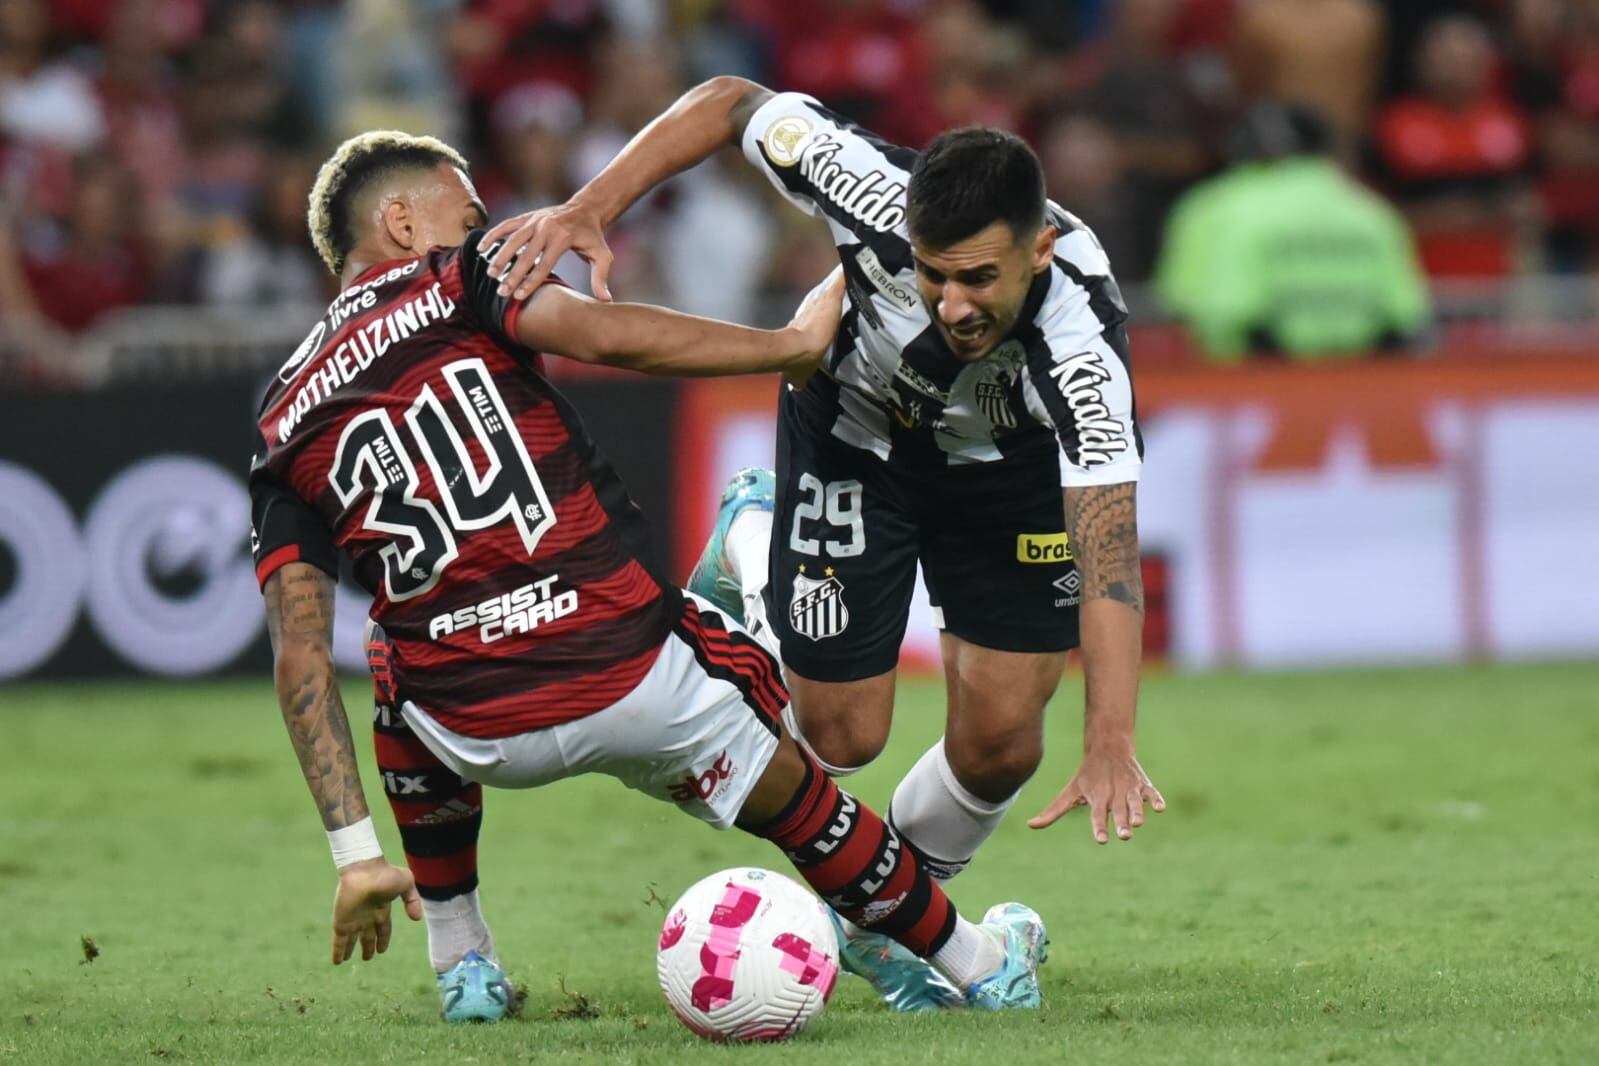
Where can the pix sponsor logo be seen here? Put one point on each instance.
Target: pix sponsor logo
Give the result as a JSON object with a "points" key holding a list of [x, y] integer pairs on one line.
{"points": [[707, 786], [1043, 548], [521, 610], [398, 784], [1100, 438]]}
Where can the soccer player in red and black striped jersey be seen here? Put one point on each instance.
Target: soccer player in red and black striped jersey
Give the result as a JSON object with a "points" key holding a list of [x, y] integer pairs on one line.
{"points": [[520, 634]]}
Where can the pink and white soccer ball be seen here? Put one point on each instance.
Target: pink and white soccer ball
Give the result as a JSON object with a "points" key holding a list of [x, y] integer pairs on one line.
{"points": [[747, 954]]}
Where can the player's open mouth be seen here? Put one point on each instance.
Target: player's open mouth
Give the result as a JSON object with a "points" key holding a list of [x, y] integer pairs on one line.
{"points": [[968, 335]]}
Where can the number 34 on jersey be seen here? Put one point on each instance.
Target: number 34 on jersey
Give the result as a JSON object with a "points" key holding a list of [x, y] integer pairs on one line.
{"points": [[374, 455]]}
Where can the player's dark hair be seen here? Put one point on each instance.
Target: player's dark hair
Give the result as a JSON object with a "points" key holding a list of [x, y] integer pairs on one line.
{"points": [[967, 179], [359, 164]]}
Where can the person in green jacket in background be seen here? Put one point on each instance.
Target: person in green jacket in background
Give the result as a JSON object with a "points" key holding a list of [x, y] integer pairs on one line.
{"points": [[1286, 253]]}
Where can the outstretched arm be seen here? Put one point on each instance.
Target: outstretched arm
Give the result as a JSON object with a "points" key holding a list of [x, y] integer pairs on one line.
{"points": [[709, 116], [299, 606], [1102, 525], [655, 340]]}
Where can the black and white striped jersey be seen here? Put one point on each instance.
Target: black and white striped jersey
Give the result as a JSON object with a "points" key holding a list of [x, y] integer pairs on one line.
{"points": [[1061, 379]]}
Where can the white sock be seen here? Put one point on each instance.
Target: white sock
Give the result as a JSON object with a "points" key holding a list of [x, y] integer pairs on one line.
{"points": [[748, 542], [969, 955], [455, 927], [945, 822]]}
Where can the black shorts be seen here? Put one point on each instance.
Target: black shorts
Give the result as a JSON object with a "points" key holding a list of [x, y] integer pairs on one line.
{"points": [[850, 528]]}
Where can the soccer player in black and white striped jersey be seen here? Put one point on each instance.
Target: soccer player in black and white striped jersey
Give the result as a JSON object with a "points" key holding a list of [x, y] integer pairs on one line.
{"points": [[975, 415]]}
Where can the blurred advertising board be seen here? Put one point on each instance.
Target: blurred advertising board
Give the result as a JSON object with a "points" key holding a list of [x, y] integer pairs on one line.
{"points": [[1386, 511], [1382, 511], [124, 523]]}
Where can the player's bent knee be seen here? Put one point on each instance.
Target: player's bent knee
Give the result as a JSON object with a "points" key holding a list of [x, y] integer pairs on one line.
{"points": [[845, 726], [840, 749], [995, 771]]}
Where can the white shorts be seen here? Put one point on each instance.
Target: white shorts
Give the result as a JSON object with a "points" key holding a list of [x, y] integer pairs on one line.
{"points": [[698, 731]]}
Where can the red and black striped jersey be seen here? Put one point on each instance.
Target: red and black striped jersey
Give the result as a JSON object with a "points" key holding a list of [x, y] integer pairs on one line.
{"points": [[506, 562]]}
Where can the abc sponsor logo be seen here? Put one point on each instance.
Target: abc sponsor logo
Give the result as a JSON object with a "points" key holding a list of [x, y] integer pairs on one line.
{"points": [[1043, 548], [707, 786]]}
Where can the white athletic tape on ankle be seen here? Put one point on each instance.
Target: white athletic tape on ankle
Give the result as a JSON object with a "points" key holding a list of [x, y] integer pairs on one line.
{"points": [[355, 843]]}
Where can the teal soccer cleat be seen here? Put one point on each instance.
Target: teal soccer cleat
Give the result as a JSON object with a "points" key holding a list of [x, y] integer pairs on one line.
{"points": [[905, 981], [713, 576], [1015, 984], [475, 990]]}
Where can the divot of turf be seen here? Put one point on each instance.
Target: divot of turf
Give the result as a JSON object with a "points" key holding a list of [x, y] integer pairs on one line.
{"points": [[577, 1007]]}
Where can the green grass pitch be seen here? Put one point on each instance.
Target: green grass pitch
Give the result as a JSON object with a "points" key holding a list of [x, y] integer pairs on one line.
{"points": [[1382, 866]]}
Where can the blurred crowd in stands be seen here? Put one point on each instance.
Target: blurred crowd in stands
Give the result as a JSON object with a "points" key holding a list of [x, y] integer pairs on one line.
{"points": [[160, 151]]}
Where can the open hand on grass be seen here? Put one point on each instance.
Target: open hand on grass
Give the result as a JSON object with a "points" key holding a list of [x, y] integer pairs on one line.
{"points": [[1113, 787], [361, 907]]}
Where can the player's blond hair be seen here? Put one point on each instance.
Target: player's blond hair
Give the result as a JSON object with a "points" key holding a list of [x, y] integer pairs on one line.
{"points": [[353, 167]]}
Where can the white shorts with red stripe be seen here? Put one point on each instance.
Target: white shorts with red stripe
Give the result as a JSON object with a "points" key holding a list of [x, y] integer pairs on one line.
{"points": [[698, 731]]}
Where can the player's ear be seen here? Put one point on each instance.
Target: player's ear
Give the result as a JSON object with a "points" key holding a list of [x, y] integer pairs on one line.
{"points": [[399, 221], [1043, 248]]}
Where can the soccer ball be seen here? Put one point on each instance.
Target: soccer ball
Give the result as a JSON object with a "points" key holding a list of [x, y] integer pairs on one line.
{"points": [[747, 954]]}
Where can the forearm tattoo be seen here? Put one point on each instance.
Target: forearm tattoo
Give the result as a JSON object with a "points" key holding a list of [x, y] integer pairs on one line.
{"points": [[1102, 521], [299, 605]]}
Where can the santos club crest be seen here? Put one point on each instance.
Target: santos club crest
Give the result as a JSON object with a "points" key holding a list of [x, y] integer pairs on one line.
{"points": [[993, 399], [993, 395], [817, 610]]}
